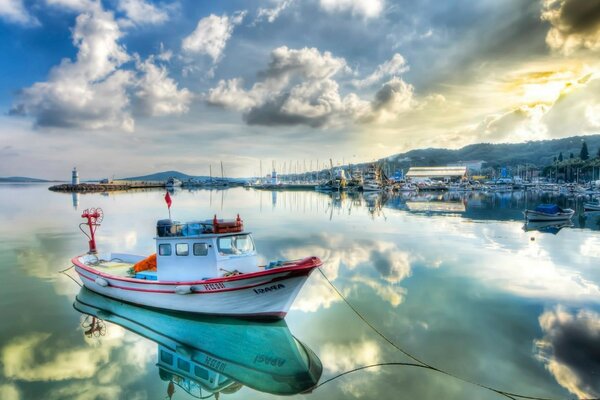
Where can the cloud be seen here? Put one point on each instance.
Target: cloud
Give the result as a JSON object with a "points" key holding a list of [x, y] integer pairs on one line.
{"points": [[394, 97], [592, 114], [89, 92], [95, 90], [300, 87], [570, 349], [395, 66], [74, 5], [14, 11], [140, 12], [362, 8], [211, 35], [575, 24], [296, 88], [231, 94], [157, 94], [271, 14]]}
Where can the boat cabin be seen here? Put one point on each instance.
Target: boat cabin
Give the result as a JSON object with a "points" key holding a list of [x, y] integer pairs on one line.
{"points": [[199, 250]]}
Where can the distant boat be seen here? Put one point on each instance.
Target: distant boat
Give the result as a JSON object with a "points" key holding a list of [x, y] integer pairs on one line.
{"points": [[591, 206], [548, 212], [173, 182], [372, 179]]}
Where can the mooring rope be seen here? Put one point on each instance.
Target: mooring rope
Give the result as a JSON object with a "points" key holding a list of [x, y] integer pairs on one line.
{"points": [[420, 363], [64, 272]]}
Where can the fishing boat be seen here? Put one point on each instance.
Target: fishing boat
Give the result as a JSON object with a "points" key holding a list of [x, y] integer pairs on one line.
{"points": [[591, 206], [548, 212], [173, 182], [372, 179], [207, 267], [207, 355]]}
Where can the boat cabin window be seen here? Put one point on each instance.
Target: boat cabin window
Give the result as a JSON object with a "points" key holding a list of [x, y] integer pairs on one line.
{"points": [[201, 373], [166, 357], [183, 365], [182, 249], [236, 244], [200, 249], [164, 249]]}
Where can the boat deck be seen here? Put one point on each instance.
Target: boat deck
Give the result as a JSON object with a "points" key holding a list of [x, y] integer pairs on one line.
{"points": [[118, 268]]}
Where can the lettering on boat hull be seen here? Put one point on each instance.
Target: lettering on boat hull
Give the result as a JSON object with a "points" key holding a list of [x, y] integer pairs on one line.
{"points": [[269, 288]]}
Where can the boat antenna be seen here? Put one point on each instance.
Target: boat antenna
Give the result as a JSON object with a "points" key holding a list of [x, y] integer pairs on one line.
{"points": [[94, 216]]}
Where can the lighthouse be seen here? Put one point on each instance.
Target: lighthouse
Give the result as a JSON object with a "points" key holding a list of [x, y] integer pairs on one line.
{"points": [[75, 177]]}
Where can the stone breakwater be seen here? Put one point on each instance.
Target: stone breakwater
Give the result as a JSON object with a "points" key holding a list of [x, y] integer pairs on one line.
{"points": [[88, 187]]}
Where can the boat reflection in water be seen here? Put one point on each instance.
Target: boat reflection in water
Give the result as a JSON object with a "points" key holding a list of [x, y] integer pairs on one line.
{"points": [[212, 354], [552, 227]]}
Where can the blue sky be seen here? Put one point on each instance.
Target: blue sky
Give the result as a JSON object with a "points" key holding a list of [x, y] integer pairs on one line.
{"points": [[127, 87]]}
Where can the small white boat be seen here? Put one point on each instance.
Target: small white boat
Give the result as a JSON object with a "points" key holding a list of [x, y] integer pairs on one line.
{"points": [[591, 206], [207, 267], [173, 182], [548, 212]]}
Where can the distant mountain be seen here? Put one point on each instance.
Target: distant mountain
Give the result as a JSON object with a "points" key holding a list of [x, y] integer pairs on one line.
{"points": [[163, 176], [539, 153], [21, 179]]}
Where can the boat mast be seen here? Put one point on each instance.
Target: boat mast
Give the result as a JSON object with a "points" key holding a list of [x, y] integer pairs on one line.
{"points": [[222, 175], [331, 169]]}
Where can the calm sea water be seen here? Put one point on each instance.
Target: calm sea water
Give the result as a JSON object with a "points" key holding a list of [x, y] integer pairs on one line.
{"points": [[453, 280]]}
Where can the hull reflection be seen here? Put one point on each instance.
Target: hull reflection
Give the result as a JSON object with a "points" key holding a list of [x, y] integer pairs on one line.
{"points": [[214, 354]]}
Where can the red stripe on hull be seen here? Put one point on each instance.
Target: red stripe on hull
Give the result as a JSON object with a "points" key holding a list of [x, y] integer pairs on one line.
{"points": [[307, 264], [294, 274]]}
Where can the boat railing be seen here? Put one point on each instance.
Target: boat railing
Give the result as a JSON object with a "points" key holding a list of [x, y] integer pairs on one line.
{"points": [[177, 229]]}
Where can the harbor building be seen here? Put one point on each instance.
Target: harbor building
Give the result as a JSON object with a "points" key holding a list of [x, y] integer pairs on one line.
{"points": [[445, 174], [473, 166]]}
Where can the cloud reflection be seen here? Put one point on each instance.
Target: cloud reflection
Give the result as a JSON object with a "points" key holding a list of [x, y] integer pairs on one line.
{"points": [[570, 349], [103, 367], [9, 392], [338, 252]]}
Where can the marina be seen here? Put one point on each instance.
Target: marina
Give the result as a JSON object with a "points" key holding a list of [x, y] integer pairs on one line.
{"points": [[377, 249], [319, 200]]}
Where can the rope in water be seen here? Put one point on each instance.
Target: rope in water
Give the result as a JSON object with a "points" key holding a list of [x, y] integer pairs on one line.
{"points": [[420, 363]]}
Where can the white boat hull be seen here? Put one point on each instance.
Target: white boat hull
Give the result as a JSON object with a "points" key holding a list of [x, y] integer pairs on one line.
{"points": [[264, 294], [591, 207], [537, 216]]}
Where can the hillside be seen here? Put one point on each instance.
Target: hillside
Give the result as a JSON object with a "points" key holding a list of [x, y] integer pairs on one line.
{"points": [[21, 179], [539, 153], [163, 176]]}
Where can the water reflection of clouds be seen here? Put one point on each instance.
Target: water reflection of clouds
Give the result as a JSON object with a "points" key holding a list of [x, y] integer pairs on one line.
{"points": [[9, 391], [100, 366], [339, 252], [570, 349], [341, 357]]}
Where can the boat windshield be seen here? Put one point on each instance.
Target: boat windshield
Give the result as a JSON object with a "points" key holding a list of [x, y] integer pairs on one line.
{"points": [[236, 244]]}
